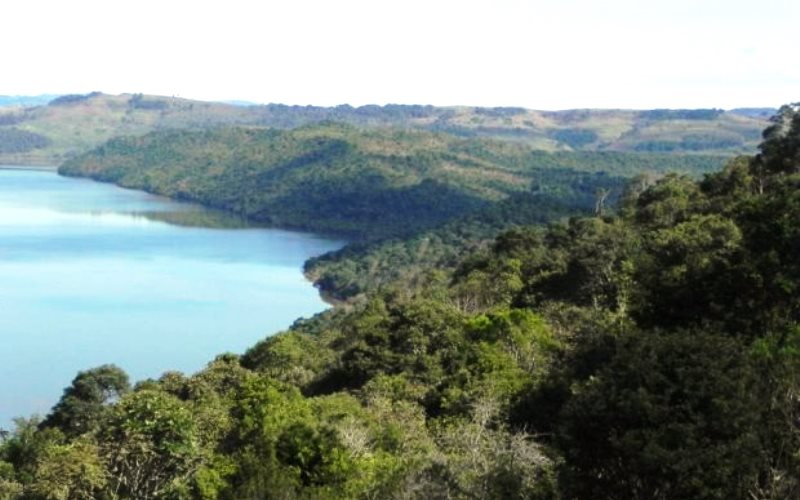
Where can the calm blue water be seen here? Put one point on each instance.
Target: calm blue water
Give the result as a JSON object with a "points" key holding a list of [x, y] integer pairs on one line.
{"points": [[90, 274]]}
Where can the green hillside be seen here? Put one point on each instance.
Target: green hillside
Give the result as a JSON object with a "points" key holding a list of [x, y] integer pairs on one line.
{"points": [[418, 199], [74, 124], [338, 178]]}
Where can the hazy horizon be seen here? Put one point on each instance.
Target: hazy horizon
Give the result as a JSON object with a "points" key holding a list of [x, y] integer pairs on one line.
{"points": [[572, 54], [241, 102]]}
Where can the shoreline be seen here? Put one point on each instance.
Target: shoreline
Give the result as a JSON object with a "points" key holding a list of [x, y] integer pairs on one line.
{"points": [[45, 168], [326, 297]]}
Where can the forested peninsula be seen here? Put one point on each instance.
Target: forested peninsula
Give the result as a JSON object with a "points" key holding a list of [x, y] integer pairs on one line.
{"points": [[509, 327], [410, 200]]}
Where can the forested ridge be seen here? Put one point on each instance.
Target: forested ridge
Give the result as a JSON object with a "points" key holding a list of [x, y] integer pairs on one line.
{"points": [[75, 124], [648, 353], [364, 183], [411, 199]]}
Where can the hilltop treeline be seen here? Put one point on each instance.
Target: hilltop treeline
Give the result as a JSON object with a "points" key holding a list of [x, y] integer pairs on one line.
{"points": [[75, 124]]}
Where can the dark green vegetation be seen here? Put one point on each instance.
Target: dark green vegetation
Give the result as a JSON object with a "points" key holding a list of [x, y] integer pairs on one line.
{"points": [[428, 198], [326, 178], [365, 184], [651, 354], [13, 140], [74, 124]]}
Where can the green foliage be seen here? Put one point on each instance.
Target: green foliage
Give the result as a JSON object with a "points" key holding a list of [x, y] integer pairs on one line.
{"points": [[777, 362], [780, 150], [336, 178], [652, 354], [690, 143], [628, 164], [681, 114], [12, 118], [410, 338], [575, 137], [668, 202], [14, 140], [688, 271], [23, 447], [85, 402], [326, 178], [70, 471], [360, 268], [68, 99], [292, 358], [149, 444], [313, 455], [672, 415], [138, 101], [429, 199]]}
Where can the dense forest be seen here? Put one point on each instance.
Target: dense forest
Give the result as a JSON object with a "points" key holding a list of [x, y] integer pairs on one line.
{"points": [[13, 140], [648, 353], [366, 184], [412, 199]]}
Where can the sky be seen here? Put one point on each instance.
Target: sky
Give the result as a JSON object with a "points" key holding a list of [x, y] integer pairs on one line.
{"points": [[556, 54]]}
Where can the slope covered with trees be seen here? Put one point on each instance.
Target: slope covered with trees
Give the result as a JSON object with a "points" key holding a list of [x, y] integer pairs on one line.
{"points": [[74, 124], [415, 199], [653, 354], [337, 178], [327, 177]]}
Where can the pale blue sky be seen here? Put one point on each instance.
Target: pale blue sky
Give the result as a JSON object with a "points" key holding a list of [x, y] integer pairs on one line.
{"points": [[542, 55]]}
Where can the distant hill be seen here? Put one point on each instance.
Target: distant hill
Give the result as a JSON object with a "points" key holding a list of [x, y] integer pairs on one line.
{"points": [[763, 113], [363, 183], [73, 124]]}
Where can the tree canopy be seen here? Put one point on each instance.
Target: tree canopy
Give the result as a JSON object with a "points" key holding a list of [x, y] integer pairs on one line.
{"points": [[653, 353]]}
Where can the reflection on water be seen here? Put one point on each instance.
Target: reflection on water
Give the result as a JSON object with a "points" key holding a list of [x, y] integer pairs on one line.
{"points": [[199, 218], [92, 274]]}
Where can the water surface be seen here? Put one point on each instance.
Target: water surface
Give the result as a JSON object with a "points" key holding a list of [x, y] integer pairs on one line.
{"points": [[91, 274]]}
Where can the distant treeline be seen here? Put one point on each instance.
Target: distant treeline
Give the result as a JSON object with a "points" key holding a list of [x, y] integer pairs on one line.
{"points": [[690, 143], [629, 164], [138, 101], [76, 123], [12, 119], [73, 98], [337, 178], [681, 114], [14, 140]]}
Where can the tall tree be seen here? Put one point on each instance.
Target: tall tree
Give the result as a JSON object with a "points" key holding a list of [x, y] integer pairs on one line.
{"points": [[85, 401]]}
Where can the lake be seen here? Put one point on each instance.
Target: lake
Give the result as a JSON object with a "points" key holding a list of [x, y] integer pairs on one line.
{"points": [[91, 273]]}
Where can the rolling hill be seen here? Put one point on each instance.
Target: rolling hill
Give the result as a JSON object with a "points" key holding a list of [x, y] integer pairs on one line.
{"points": [[73, 124], [363, 183]]}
